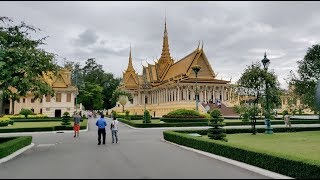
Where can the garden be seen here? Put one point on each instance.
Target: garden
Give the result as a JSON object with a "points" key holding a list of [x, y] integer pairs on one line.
{"points": [[294, 154], [29, 122]]}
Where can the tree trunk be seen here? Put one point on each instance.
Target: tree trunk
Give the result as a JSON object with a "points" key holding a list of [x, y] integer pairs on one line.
{"points": [[122, 108]]}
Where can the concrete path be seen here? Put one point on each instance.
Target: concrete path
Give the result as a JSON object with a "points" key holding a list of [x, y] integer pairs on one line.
{"points": [[139, 154]]}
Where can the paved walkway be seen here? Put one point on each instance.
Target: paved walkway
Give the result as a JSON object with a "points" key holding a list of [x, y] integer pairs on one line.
{"points": [[139, 154]]}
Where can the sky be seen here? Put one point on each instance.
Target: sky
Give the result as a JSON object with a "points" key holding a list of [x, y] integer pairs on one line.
{"points": [[235, 34]]}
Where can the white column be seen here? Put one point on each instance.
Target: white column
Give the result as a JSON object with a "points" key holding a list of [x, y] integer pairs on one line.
{"points": [[178, 94], [205, 93]]}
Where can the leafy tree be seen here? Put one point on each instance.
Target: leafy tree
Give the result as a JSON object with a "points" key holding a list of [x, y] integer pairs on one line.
{"points": [[123, 99], [253, 81], [117, 93], [93, 73], [91, 96], [309, 73], [22, 62]]}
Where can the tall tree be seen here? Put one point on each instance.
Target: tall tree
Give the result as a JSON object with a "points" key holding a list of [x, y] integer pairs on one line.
{"points": [[309, 73], [22, 62], [252, 82], [91, 96]]}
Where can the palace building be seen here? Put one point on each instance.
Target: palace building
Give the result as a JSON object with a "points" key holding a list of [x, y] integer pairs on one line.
{"points": [[63, 101], [167, 85]]}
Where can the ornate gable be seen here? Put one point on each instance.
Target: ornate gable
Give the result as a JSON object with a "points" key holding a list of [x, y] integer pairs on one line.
{"points": [[206, 71], [59, 82]]}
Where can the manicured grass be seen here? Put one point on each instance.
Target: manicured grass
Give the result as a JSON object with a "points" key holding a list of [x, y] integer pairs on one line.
{"points": [[153, 121], [300, 145], [22, 125]]}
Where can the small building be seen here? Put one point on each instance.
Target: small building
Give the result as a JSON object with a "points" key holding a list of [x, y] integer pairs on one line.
{"points": [[62, 101]]}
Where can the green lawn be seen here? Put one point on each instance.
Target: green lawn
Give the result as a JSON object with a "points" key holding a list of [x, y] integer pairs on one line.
{"points": [[300, 145], [153, 121], [38, 124]]}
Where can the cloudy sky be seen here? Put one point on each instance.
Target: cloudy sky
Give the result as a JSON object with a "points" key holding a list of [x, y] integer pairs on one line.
{"points": [[235, 34]]}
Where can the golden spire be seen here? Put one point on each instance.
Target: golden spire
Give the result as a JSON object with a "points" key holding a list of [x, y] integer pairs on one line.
{"points": [[130, 67], [165, 55]]}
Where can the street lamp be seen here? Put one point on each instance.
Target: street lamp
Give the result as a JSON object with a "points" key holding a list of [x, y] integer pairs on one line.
{"points": [[196, 69], [145, 87], [265, 61]]}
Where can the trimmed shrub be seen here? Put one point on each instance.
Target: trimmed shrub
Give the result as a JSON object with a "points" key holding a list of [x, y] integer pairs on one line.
{"points": [[180, 120], [184, 113], [147, 117], [15, 116], [12, 144], [5, 121], [66, 119], [216, 122], [26, 112]]}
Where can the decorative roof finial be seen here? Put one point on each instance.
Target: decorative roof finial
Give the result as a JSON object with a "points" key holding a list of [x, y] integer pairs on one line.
{"points": [[198, 45], [265, 54], [202, 45]]}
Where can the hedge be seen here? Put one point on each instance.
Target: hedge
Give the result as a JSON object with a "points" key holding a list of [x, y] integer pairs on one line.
{"points": [[287, 166], [132, 117], [249, 130], [43, 120], [148, 125], [13, 144], [179, 120], [273, 122]]}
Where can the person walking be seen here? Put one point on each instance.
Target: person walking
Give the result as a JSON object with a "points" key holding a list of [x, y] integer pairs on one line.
{"points": [[101, 123], [76, 124], [114, 129]]}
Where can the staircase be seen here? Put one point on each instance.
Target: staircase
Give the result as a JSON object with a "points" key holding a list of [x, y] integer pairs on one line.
{"points": [[225, 111]]}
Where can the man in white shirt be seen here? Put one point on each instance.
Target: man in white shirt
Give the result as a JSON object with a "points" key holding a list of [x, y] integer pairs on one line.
{"points": [[114, 129]]}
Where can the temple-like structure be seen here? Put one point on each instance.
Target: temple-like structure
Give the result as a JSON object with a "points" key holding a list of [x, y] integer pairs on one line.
{"points": [[63, 100], [168, 85]]}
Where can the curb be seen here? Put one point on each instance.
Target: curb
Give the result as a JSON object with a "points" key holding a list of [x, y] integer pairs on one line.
{"points": [[249, 167], [16, 153]]}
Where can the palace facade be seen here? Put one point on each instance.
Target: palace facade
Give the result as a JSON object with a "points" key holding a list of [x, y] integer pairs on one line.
{"points": [[167, 85], [63, 101]]}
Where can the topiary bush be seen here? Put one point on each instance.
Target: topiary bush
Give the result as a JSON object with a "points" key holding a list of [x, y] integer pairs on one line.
{"points": [[216, 122], [146, 117], [66, 119], [26, 112]]}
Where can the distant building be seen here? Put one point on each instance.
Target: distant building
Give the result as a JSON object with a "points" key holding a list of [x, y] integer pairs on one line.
{"points": [[63, 101]]}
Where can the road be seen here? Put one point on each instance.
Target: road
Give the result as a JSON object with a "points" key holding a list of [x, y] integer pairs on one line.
{"points": [[140, 154]]}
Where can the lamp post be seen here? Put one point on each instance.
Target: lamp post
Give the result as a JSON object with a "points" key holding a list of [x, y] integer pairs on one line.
{"points": [[145, 86], [196, 69], [265, 61]]}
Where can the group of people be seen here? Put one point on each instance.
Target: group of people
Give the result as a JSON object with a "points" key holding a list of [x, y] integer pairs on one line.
{"points": [[101, 123]]}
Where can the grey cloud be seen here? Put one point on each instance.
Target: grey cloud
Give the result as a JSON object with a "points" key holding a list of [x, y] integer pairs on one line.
{"points": [[88, 37], [235, 34]]}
